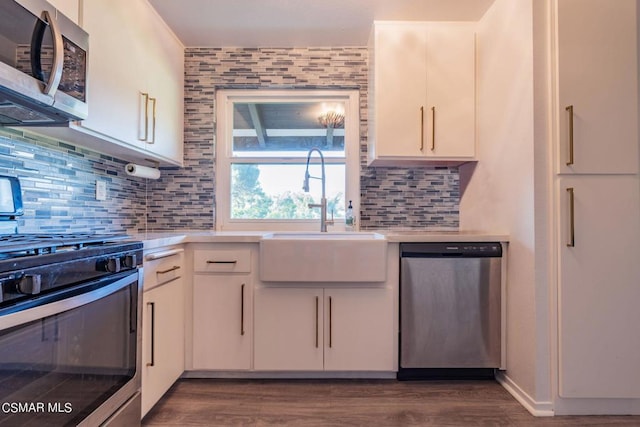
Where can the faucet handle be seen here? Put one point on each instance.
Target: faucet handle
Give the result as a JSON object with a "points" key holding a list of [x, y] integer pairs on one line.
{"points": [[330, 221]]}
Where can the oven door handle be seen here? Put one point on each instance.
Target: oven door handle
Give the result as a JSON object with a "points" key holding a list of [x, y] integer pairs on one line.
{"points": [[39, 312]]}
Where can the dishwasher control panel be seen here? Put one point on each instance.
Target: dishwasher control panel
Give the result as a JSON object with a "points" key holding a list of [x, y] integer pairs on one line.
{"points": [[451, 249]]}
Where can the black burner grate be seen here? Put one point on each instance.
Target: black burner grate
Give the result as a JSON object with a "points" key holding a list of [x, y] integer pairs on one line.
{"points": [[18, 245]]}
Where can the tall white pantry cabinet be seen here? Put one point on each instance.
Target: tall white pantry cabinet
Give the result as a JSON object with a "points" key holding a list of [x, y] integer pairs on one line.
{"points": [[597, 198]]}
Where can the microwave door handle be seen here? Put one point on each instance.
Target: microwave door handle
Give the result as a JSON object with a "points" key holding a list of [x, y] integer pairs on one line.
{"points": [[51, 86], [37, 38]]}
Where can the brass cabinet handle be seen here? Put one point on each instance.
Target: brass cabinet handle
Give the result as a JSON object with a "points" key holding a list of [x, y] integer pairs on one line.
{"points": [[330, 324], [317, 322], [153, 117], [174, 268], [149, 100], [433, 128], [163, 254], [422, 128], [242, 309], [572, 230], [570, 110], [153, 333], [145, 136], [222, 262]]}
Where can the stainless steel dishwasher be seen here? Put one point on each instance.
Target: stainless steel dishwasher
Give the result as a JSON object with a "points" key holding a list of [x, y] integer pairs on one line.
{"points": [[450, 310]]}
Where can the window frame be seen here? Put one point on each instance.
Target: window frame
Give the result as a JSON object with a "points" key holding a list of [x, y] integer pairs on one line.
{"points": [[225, 99]]}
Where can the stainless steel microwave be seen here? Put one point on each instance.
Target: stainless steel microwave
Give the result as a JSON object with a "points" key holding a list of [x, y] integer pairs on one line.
{"points": [[43, 65]]}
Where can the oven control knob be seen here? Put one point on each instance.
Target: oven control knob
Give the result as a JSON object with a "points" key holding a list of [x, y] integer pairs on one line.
{"points": [[129, 261], [113, 265], [29, 284]]}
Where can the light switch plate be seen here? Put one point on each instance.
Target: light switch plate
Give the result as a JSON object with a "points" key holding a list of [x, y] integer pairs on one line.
{"points": [[101, 190]]}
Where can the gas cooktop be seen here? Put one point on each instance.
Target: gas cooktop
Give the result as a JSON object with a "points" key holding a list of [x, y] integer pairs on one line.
{"points": [[21, 245], [35, 264]]}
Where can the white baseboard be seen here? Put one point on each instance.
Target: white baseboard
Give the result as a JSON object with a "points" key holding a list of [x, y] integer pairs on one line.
{"points": [[537, 409], [290, 374]]}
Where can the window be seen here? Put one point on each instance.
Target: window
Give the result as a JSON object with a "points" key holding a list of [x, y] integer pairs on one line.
{"points": [[262, 144]]}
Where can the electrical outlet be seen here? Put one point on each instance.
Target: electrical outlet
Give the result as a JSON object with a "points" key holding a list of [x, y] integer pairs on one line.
{"points": [[101, 190]]}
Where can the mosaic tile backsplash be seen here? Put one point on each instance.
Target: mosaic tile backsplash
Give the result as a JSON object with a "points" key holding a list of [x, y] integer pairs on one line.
{"points": [[58, 179], [58, 185], [390, 197]]}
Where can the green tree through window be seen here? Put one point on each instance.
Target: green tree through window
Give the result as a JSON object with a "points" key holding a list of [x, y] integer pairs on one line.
{"points": [[248, 199]]}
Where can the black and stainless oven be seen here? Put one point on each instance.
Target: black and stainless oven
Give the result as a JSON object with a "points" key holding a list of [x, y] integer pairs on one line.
{"points": [[70, 323]]}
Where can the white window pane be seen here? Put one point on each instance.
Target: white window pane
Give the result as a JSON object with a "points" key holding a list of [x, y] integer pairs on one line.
{"points": [[274, 191]]}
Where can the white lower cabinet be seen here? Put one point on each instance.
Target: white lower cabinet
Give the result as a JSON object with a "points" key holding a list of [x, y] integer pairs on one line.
{"points": [[599, 344], [163, 323], [360, 329], [222, 321], [162, 340], [288, 329], [333, 329], [222, 315]]}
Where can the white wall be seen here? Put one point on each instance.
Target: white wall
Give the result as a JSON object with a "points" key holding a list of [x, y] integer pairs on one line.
{"points": [[499, 189]]}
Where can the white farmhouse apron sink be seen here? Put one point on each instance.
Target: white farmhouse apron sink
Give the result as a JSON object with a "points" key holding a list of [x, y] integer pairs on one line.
{"points": [[323, 257]]}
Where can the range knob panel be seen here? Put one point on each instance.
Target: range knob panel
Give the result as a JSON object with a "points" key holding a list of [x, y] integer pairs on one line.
{"points": [[112, 265], [29, 284]]}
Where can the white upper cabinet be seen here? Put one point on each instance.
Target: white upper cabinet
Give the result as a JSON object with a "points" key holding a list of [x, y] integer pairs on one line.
{"points": [[114, 63], [135, 85], [597, 86], [162, 69], [422, 93], [69, 8]]}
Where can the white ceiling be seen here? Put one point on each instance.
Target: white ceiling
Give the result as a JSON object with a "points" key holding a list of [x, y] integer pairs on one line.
{"points": [[300, 23]]}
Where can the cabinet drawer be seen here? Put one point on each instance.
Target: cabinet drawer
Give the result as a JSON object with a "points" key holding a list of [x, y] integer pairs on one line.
{"points": [[162, 267], [222, 261]]}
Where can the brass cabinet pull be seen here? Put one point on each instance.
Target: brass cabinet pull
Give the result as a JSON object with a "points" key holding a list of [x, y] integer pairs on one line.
{"points": [[174, 268], [317, 322], [330, 324], [222, 262], [153, 333], [242, 309], [433, 128], [422, 128], [163, 254], [570, 110], [145, 136], [153, 117], [572, 224]]}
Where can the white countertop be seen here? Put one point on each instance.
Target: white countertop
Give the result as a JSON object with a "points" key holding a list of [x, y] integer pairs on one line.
{"points": [[156, 240]]}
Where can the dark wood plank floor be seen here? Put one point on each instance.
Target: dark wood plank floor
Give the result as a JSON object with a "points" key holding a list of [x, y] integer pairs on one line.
{"points": [[207, 402]]}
